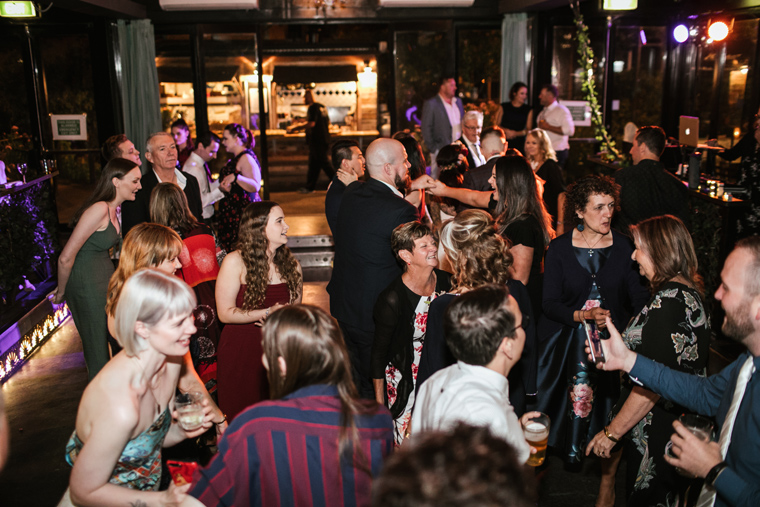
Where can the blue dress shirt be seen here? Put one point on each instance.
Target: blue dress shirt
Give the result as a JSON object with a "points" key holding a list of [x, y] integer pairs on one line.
{"points": [[739, 484]]}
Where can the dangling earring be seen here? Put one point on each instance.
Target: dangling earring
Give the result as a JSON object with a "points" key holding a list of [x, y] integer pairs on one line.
{"points": [[580, 227]]}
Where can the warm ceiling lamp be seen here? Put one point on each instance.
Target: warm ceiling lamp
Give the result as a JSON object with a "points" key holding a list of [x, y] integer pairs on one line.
{"points": [[718, 31], [18, 10]]}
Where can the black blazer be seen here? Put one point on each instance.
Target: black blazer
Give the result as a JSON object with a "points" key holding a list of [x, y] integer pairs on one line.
{"points": [[364, 262], [138, 211]]}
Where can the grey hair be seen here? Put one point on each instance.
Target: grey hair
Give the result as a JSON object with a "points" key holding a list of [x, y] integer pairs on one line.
{"points": [[473, 113], [149, 296], [149, 142]]}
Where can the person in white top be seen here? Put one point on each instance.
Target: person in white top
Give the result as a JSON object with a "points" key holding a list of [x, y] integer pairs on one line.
{"points": [[207, 145], [484, 332], [557, 121]]}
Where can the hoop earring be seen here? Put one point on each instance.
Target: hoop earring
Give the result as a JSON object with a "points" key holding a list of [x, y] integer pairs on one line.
{"points": [[580, 227]]}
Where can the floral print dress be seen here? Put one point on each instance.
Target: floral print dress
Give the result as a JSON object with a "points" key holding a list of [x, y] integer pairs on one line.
{"points": [[393, 374], [672, 329]]}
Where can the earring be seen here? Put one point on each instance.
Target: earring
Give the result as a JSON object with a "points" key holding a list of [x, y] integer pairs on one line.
{"points": [[580, 227]]}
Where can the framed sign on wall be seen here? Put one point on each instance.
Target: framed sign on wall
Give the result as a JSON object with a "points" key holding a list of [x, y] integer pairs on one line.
{"points": [[69, 127]]}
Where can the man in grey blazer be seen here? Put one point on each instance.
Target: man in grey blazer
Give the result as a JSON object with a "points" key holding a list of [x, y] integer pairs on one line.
{"points": [[442, 119]]}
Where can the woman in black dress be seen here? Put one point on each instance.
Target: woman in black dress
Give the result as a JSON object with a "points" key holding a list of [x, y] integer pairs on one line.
{"points": [[523, 221], [543, 161], [517, 116], [239, 142]]}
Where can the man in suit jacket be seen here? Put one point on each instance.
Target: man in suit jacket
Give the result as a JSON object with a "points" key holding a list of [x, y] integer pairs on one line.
{"points": [[472, 125], [364, 262], [493, 144], [161, 152], [442, 119], [347, 159]]}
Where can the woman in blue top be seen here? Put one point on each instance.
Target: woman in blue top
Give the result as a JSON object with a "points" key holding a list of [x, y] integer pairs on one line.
{"points": [[588, 275]]}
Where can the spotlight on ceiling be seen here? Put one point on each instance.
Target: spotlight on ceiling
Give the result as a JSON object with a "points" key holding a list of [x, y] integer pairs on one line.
{"points": [[681, 34], [718, 31]]}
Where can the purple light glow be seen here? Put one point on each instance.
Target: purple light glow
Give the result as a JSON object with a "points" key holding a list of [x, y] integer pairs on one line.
{"points": [[643, 37], [681, 34]]}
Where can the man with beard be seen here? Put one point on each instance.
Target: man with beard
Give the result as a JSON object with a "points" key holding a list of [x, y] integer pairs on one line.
{"points": [[730, 466], [364, 262]]}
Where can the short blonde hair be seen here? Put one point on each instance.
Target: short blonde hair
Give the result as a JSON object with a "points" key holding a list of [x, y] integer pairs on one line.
{"points": [[149, 296]]}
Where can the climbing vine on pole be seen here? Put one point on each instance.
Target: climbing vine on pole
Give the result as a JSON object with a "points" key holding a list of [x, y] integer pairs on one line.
{"points": [[586, 61]]}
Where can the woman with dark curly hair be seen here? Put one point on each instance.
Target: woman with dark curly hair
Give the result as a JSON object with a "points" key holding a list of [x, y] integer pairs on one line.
{"points": [[588, 276], [239, 142], [479, 256], [259, 277]]}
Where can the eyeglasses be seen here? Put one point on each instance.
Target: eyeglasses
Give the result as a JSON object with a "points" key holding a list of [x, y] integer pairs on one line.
{"points": [[476, 127], [524, 324]]}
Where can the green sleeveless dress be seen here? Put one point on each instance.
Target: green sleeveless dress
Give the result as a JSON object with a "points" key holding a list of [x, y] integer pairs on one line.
{"points": [[86, 293]]}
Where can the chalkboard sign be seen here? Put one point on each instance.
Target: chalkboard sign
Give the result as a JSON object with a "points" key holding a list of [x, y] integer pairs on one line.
{"points": [[580, 111], [69, 127]]}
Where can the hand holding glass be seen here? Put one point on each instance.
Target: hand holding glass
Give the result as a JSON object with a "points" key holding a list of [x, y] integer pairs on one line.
{"points": [[190, 410], [536, 431]]}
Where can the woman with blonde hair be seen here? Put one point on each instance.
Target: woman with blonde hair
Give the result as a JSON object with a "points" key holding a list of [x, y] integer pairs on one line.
{"points": [[543, 161], [85, 266], [126, 413], [321, 437], [479, 256], [200, 259], [256, 279]]}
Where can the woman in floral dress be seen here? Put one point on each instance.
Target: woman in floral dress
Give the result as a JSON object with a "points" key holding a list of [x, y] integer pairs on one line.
{"points": [[672, 329], [401, 321]]}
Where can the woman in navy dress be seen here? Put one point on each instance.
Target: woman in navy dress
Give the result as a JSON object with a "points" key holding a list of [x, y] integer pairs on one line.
{"points": [[589, 275]]}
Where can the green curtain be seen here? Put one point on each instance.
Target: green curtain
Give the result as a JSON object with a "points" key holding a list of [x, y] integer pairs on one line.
{"points": [[139, 82], [515, 52]]}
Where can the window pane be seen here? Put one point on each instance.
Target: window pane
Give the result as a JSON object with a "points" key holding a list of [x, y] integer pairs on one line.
{"points": [[175, 79], [479, 61], [231, 80], [15, 127], [418, 61], [566, 73], [638, 71]]}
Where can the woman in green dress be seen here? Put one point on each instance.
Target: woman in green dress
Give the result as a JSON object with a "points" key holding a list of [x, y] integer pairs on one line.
{"points": [[84, 266]]}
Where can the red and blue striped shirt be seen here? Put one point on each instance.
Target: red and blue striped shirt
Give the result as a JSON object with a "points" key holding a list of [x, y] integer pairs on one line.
{"points": [[285, 453]]}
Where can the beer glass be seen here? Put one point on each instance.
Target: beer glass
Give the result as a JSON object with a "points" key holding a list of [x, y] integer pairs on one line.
{"points": [[536, 431], [700, 427]]}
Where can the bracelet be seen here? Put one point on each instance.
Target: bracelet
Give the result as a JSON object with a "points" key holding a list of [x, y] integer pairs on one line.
{"points": [[609, 435], [560, 223], [224, 419], [714, 472], [266, 314]]}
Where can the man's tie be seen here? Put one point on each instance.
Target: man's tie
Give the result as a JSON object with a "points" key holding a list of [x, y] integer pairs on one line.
{"points": [[707, 496], [478, 155], [209, 179]]}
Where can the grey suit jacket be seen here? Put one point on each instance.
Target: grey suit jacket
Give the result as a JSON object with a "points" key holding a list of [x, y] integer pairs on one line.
{"points": [[436, 128]]}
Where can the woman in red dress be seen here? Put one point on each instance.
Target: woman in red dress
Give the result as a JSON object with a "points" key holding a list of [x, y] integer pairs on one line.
{"points": [[254, 280]]}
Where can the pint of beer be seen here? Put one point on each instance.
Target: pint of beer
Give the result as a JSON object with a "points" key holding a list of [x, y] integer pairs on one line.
{"points": [[536, 431]]}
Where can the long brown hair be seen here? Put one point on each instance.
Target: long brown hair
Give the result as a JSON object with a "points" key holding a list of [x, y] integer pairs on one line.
{"points": [[667, 242], [104, 189], [253, 243], [310, 342], [147, 245], [168, 206], [518, 196], [477, 252]]}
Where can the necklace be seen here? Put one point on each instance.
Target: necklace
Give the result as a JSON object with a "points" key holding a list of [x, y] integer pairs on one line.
{"points": [[591, 247]]}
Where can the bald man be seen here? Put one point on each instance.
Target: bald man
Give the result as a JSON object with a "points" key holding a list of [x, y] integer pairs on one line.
{"points": [[364, 262]]}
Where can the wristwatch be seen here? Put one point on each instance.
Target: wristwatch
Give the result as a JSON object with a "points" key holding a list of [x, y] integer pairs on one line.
{"points": [[714, 472]]}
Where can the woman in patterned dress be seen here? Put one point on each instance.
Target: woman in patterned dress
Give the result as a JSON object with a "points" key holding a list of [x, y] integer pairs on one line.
{"points": [[401, 321], [239, 142], [673, 328]]}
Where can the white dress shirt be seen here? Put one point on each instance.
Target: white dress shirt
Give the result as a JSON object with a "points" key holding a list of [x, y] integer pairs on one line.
{"points": [[210, 192], [477, 155], [470, 394], [455, 118], [558, 115], [395, 190]]}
